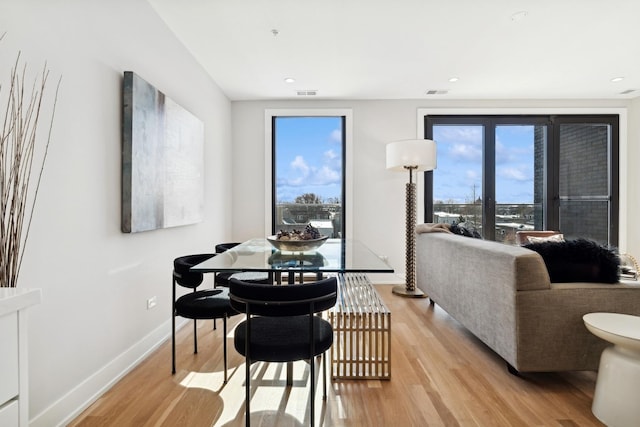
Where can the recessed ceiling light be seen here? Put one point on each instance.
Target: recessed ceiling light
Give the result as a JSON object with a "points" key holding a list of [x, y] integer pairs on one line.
{"points": [[289, 80], [617, 79], [519, 16], [454, 79]]}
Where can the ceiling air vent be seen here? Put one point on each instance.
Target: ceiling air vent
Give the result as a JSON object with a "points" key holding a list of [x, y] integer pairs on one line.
{"points": [[307, 92], [436, 92], [626, 92]]}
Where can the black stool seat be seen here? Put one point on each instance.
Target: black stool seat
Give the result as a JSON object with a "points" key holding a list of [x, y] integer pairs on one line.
{"points": [[281, 339], [213, 304], [224, 278]]}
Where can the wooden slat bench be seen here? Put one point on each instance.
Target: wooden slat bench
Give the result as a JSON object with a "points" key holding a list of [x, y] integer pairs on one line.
{"points": [[362, 331]]}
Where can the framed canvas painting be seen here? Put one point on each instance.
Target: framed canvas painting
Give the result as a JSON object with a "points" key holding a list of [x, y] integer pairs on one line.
{"points": [[162, 160]]}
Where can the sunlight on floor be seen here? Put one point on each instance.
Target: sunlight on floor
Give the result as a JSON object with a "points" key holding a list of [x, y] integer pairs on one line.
{"points": [[269, 393]]}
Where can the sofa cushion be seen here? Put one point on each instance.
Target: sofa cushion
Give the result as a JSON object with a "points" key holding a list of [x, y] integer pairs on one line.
{"points": [[578, 260]]}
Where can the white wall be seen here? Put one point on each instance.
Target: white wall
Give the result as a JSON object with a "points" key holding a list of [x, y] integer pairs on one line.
{"points": [[378, 194], [93, 322], [632, 160]]}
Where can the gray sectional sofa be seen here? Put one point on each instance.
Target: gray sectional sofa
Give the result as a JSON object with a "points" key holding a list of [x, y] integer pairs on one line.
{"points": [[503, 295]]}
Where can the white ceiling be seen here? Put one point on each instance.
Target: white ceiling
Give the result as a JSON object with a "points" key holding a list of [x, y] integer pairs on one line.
{"points": [[399, 49]]}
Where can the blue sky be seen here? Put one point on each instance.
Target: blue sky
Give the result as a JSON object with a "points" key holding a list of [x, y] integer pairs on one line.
{"points": [[309, 157], [309, 160], [459, 171]]}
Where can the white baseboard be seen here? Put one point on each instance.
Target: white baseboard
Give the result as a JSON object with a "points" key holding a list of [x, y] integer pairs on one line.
{"points": [[84, 394]]}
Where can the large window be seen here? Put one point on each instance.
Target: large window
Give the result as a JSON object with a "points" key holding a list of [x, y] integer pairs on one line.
{"points": [[308, 178], [502, 174]]}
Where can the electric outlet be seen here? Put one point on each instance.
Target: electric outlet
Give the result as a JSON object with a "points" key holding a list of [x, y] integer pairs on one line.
{"points": [[151, 302]]}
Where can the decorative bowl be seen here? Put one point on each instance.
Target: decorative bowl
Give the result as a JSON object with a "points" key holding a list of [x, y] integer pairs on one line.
{"points": [[296, 245]]}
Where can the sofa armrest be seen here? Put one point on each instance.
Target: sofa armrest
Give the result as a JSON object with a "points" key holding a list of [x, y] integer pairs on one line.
{"points": [[551, 333]]}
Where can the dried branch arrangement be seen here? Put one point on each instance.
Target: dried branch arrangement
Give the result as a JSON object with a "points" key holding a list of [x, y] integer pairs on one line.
{"points": [[22, 159]]}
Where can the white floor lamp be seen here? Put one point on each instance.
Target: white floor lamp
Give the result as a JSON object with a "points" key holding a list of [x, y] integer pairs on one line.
{"points": [[411, 155]]}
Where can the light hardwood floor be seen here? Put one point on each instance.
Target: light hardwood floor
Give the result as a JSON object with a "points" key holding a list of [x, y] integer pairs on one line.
{"points": [[441, 376]]}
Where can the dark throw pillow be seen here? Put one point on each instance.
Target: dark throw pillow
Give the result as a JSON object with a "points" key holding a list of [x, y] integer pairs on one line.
{"points": [[578, 260], [463, 230]]}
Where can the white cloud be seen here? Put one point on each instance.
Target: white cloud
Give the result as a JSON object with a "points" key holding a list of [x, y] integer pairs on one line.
{"points": [[305, 175], [513, 173], [471, 134], [510, 154], [467, 151], [502, 154], [326, 175], [472, 175], [336, 136], [300, 164], [330, 155]]}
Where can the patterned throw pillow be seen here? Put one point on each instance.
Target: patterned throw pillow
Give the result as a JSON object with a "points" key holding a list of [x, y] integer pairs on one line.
{"points": [[553, 238]]}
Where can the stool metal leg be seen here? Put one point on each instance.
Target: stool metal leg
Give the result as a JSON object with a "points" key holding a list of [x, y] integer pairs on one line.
{"points": [[247, 380], [173, 343], [312, 392], [195, 338], [173, 327], [324, 376], [224, 340]]}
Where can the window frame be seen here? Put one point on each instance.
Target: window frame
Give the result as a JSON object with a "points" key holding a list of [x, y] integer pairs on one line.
{"points": [[553, 122], [270, 115]]}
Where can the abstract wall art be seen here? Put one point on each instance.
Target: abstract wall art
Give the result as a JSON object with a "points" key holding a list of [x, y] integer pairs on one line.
{"points": [[162, 160]]}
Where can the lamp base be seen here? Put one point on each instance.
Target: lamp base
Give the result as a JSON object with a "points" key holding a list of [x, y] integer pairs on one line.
{"points": [[404, 292]]}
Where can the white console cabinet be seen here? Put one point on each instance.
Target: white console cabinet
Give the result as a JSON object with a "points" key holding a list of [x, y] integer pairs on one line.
{"points": [[14, 383]]}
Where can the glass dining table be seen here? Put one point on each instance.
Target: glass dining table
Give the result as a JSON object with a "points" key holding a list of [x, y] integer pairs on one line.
{"points": [[335, 256], [259, 255]]}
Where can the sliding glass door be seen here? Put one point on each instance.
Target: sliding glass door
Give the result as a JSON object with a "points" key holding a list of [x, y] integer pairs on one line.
{"points": [[502, 174], [489, 174]]}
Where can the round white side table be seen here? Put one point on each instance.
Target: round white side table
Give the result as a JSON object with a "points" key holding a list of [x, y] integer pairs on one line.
{"points": [[617, 393]]}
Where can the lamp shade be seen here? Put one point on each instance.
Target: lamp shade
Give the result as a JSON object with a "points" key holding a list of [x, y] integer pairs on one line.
{"points": [[417, 153]]}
